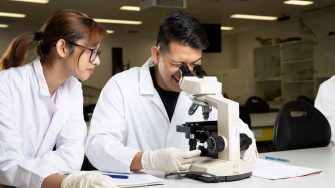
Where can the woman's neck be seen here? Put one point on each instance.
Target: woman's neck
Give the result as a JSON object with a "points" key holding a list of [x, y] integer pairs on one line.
{"points": [[54, 75]]}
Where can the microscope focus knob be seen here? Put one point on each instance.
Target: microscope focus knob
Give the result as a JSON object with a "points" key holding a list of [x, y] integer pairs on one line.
{"points": [[215, 144]]}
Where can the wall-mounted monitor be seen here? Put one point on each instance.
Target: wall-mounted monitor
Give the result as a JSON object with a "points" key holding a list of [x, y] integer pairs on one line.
{"points": [[213, 32]]}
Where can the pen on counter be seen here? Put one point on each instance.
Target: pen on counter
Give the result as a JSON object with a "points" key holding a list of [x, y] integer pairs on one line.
{"points": [[117, 176], [276, 159]]}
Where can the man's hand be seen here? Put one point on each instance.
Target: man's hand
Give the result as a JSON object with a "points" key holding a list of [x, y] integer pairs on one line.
{"points": [[169, 160]]}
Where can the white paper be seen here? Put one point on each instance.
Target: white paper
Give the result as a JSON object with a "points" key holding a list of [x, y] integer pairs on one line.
{"points": [[277, 170], [136, 180]]}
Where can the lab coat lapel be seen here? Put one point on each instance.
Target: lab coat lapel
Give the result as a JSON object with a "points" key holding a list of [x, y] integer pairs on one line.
{"points": [[147, 89], [57, 122]]}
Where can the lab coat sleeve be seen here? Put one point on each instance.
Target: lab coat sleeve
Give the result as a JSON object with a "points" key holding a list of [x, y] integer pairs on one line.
{"points": [[15, 169], [325, 103], [105, 146], [245, 129]]}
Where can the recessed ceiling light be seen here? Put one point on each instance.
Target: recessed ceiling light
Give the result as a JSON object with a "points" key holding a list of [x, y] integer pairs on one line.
{"points": [[130, 8], [13, 15], [34, 1], [225, 28], [112, 21], [110, 31], [3, 25], [253, 17], [297, 2]]}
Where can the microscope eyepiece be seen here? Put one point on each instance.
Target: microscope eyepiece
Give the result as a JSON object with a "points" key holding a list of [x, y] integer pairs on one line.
{"points": [[199, 71], [184, 70]]}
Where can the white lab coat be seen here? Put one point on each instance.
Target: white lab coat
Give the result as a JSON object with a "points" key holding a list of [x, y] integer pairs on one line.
{"points": [[130, 117], [31, 124], [325, 102]]}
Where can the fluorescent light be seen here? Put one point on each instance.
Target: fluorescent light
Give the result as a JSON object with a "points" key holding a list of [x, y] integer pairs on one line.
{"points": [[130, 8], [13, 15], [225, 28], [297, 2], [112, 21], [110, 31], [34, 1], [253, 17], [3, 25]]}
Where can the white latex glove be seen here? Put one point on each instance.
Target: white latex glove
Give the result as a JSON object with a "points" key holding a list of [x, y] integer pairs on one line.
{"points": [[89, 180], [169, 160], [251, 153]]}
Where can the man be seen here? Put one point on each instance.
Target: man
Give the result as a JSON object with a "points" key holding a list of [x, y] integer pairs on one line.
{"points": [[134, 123]]}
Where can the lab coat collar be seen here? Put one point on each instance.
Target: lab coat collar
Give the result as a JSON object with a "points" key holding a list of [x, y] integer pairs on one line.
{"points": [[148, 63], [146, 83], [147, 87], [42, 83], [62, 90]]}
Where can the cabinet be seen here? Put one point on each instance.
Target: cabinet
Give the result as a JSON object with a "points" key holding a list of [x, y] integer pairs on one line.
{"points": [[297, 69], [324, 60], [267, 71], [285, 71]]}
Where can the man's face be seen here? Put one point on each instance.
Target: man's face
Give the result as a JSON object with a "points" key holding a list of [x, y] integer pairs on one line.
{"points": [[168, 63]]}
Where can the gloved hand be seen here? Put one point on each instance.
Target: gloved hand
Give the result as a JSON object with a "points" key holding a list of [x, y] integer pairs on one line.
{"points": [[251, 153], [89, 180], [169, 160]]}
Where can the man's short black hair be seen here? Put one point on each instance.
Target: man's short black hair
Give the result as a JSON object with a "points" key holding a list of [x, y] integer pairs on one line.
{"points": [[183, 28]]}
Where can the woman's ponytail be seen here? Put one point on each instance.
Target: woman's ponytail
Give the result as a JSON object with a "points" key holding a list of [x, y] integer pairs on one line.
{"points": [[16, 53]]}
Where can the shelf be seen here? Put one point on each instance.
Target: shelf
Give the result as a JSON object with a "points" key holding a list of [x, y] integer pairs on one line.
{"points": [[268, 79], [301, 50], [298, 81], [297, 61]]}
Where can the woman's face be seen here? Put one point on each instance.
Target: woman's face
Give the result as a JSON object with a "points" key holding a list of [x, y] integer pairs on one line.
{"points": [[83, 60]]}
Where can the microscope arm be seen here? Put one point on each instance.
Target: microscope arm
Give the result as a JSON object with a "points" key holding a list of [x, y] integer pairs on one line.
{"points": [[228, 124]]}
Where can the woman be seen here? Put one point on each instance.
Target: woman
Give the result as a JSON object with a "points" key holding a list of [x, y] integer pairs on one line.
{"points": [[42, 130]]}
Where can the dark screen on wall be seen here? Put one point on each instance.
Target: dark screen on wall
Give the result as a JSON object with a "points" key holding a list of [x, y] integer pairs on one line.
{"points": [[213, 32]]}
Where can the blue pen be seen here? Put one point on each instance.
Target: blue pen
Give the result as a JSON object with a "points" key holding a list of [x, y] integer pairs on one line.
{"points": [[117, 176], [276, 159]]}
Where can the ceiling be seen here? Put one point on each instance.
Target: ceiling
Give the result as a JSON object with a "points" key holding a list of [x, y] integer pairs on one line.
{"points": [[207, 11]]}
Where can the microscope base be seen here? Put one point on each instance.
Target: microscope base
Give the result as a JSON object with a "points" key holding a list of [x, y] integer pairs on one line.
{"points": [[217, 170], [216, 179]]}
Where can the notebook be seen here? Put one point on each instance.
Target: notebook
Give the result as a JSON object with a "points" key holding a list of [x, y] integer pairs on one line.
{"points": [[277, 170], [138, 179]]}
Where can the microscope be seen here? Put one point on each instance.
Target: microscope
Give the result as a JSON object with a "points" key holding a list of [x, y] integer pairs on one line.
{"points": [[220, 141]]}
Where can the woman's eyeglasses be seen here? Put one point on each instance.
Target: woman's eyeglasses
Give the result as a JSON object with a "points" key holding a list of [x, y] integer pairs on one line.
{"points": [[94, 52]]}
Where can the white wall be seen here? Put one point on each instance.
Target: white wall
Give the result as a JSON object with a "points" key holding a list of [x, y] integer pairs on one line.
{"points": [[5, 38], [135, 51]]}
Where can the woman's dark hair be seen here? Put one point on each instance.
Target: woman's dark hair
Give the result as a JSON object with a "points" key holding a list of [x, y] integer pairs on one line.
{"points": [[70, 25], [183, 28]]}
